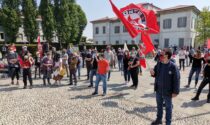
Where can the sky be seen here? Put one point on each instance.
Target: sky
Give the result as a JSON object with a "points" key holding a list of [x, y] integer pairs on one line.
{"points": [[95, 9]]}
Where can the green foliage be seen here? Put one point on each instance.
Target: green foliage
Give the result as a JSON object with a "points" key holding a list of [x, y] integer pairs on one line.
{"points": [[82, 22], [48, 21], [10, 16], [30, 24], [70, 21], [203, 25]]}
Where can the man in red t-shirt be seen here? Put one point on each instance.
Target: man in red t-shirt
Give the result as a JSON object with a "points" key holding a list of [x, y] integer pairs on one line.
{"points": [[103, 68]]}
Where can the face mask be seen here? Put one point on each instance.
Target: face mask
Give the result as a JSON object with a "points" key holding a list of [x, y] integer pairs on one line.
{"points": [[161, 57]]}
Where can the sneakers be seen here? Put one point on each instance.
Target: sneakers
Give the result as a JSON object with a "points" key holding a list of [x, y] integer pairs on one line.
{"points": [[24, 87], [104, 94], [95, 93], [208, 101], [157, 122], [195, 99], [187, 86], [90, 86]]}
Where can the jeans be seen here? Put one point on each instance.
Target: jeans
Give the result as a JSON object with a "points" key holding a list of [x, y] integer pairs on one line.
{"points": [[196, 70], [127, 75], [37, 68], [120, 64], [202, 85], [102, 78], [73, 74], [14, 72], [79, 71], [181, 63], [168, 101], [92, 73], [109, 74], [88, 71], [134, 76], [27, 74]]}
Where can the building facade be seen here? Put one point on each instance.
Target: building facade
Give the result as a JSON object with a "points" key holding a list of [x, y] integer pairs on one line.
{"points": [[21, 38], [177, 27]]}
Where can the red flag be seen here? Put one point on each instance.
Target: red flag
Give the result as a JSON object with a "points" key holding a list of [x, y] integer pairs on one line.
{"points": [[149, 47], [208, 44], [132, 31], [39, 46], [137, 19], [142, 19], [20, 61], [143, 62]]}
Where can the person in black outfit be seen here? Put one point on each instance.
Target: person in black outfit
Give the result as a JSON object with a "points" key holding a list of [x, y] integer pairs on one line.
{"points": [[83, 58], [38, 64], [206, 80], [93, 70], [88, 60], [126, 72], [134, 70], [196, 68]]}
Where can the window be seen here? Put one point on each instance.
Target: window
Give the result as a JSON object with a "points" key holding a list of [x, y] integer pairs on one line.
{"points": [[158, 23], [104, 42], [167, 24], [117, 29], [117, 42], [20, 36], [126, 41], [43, 38], [104, 30], [1, 36], [156, 41], [97, 30], [40, 25], [96, 42], [166, 43], [181, 42], [192, 23], [132, 41], [124, 29], [182, 22]]}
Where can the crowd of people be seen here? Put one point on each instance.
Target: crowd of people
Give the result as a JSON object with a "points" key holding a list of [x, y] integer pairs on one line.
{"points": [[52, 64]]}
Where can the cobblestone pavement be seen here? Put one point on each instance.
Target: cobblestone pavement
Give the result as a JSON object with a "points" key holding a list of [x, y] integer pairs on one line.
{"points": [[64, 105]]}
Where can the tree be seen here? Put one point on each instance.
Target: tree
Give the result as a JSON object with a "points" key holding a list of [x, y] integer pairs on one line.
{"points": [[203, 25], [48, 21], [82, 22], [10, 16], [70, 21], [30, 14], [74, 23], [63, 22]]}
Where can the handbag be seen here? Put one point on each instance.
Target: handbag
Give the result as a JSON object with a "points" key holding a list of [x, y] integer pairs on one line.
{"points": [[62, 72]]}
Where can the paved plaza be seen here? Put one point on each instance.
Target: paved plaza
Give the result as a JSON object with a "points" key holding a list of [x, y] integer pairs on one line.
{"points": [[74, 105]]}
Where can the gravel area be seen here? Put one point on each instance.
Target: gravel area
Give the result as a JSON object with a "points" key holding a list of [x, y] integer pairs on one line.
{"points": [[64, 105], [75, 106]]}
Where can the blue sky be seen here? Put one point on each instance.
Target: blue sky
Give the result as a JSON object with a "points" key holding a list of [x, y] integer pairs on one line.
{"points": [[95, 9]]}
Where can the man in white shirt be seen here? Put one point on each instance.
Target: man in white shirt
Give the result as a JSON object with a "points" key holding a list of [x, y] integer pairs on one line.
{"points": [[109, 56], [182, 55]]}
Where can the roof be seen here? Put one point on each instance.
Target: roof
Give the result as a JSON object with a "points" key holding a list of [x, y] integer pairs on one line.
{"points": [[179, 8], [105, 19], [150, 4]]}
